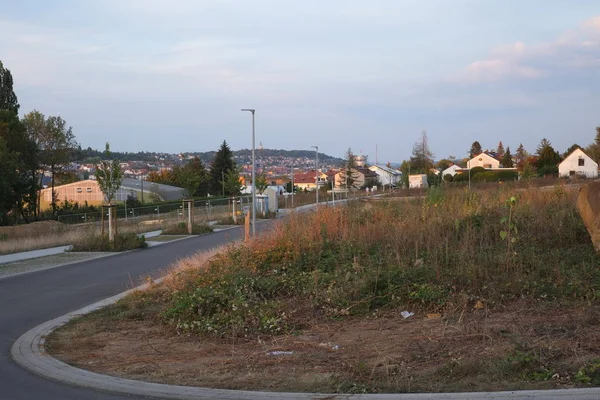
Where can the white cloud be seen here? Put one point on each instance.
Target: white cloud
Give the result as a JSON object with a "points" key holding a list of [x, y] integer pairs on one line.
{"points": [[570, 51]]}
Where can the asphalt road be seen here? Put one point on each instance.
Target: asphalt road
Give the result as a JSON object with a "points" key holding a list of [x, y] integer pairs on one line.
{"points": [[31, 299]]}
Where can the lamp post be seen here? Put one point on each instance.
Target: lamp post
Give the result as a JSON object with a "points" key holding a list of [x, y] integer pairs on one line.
{"points": [[292, 186], [317, 170], [252, 110]]}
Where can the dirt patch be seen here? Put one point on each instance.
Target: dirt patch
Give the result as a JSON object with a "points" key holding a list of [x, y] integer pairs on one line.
{"points": [[529, 345]]}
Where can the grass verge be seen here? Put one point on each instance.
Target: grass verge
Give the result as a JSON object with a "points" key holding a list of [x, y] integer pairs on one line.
{"points": [[122, 242], [181, 228]]}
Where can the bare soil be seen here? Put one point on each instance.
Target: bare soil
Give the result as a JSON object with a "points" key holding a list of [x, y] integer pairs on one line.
{"points": [[527, 345]]}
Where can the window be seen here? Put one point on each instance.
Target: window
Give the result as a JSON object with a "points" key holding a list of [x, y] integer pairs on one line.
{"points": [[582, 162], [571, 173], [89, 190], [79, 190]]}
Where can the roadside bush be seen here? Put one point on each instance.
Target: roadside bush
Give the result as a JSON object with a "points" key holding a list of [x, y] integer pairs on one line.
{"points": [[182, 229], [122, 242]]}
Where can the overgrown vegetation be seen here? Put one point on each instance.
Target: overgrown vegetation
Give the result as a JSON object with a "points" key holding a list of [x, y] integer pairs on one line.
{"points": [[181, 228], [123, 241], [507, 274], [431, 254]]}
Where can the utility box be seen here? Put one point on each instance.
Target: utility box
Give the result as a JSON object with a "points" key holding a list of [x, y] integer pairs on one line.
{"points": [[417, 181]]}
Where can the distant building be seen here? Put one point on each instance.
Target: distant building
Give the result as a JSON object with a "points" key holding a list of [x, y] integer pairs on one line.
{"points": [[483, 160], [578, 164], [417, 181], [362, 177], [451, 170], [89, 191], [387, 176]]}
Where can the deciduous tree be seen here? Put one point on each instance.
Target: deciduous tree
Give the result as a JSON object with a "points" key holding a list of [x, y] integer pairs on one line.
{"points": [[475, 149]]}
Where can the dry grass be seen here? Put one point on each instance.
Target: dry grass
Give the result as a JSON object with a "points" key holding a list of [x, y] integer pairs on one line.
{"points": [[46, 234]]}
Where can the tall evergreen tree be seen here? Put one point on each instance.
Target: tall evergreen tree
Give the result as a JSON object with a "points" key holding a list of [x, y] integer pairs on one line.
{"points": [[521, 156], [500, 150], [422, 158], [475, 149], [220, 166], [507, 161], [548, 159], [348, 172], [8, 98]]}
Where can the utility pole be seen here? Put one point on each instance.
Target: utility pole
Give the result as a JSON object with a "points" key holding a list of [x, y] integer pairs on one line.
{"points": [[317, 170]]}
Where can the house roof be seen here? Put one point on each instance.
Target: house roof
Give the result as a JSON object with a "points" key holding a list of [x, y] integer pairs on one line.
{"points": [[386, 169], [577, 150], [306, 177]]}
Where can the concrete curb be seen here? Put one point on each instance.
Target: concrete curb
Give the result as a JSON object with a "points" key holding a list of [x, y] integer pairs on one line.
{"points": [[30, 353]]}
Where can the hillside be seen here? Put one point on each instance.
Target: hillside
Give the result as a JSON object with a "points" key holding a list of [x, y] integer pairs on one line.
{"points": [[241, 156]]}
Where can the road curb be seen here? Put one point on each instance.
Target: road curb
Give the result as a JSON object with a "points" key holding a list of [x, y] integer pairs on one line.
{"points": [[30, 353]]}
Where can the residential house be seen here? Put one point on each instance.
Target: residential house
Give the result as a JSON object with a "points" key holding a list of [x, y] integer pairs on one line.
{"points": [[451, 170], [577, 163], [387, 176], [362, 177], [483, 160], [305, 180]]}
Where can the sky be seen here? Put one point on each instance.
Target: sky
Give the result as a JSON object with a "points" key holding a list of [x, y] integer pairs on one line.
{"points": [[172, 76]]}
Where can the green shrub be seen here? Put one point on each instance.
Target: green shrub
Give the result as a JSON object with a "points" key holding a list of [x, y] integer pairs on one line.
{"points": [[122, 242], [182, 229]]}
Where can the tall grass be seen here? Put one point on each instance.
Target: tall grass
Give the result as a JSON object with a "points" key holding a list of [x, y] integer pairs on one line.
{"points": [[442, 253]]}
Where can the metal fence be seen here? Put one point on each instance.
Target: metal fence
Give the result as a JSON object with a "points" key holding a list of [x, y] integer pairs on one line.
{"points": [[204, 211]]}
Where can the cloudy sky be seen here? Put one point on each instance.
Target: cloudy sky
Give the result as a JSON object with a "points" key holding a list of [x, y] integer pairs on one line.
{"points": [[172, 75]]}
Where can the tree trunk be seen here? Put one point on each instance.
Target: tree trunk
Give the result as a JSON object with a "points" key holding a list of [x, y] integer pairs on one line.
{"points": [[110, 221], [52, 193]]}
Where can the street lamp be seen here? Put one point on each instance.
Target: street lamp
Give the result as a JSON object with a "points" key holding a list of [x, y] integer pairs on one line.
{"points": [[317, 170], [252, 110]]}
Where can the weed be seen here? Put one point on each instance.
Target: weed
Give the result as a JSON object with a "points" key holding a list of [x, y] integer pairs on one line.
{"points": [[589, 373]]}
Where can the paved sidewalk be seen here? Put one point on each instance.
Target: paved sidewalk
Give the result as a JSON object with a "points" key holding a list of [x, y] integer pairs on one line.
{"points": [[29, 352], [26, 255]]}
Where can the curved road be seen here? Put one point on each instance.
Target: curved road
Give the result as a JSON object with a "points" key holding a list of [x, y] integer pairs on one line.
{"points": [[31, 299]]}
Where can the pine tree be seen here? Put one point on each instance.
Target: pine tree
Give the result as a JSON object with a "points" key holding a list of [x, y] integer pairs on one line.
{"points": [[220, 166], [500, 150], [348, 172], [422, 158], [507, 161], [521, 156], [475, 149], [548, 159]]}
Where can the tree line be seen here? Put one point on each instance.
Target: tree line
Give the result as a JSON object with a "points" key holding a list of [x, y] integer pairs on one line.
{"points": [[543, 162], [29, 147], [223, 178]]}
